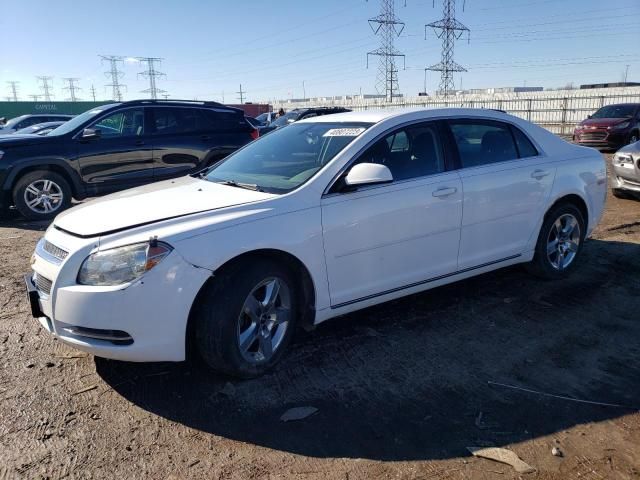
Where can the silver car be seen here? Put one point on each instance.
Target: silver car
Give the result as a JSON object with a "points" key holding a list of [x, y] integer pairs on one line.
{"points": [[626, 171]]}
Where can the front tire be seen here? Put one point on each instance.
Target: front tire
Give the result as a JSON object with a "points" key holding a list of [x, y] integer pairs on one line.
{"points": [[559, 242], [246, 317], [41, 194]]}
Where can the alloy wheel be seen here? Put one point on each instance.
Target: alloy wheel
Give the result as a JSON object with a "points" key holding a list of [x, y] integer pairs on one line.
{"points": [[563, 241], [43, 196], [264, 320]]}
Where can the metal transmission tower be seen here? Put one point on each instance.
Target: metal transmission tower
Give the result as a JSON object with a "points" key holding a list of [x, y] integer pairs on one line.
{"points": [[449, 30], [34, 97], [152, 74], [13, 86], [72, 87], [93, 92], [115, 75], [389, 26], [46, 88]]}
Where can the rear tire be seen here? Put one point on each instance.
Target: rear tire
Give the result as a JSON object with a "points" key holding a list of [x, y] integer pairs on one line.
{"points": [[41, 194], [238, 331], [559, 242]]}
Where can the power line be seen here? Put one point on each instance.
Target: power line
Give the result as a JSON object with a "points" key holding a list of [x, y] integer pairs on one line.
{"points": [[389, 26], [72, 88], [449, 30], [115, 74], [46, 88], [13, 87], [152, 74], [241, 95]]}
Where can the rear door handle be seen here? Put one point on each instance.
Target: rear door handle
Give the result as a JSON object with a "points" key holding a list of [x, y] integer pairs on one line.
{"points": [[444, 191], [539, 174], [205, 137], [139, 142]]}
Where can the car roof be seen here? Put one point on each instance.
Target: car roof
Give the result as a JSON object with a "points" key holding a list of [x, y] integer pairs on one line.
{"points": [[376, 116]]}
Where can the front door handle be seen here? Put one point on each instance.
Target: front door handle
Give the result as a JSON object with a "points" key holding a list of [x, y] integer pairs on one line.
{"points": [[139, 142], [205, 137], [444, 191], [539, 174]]}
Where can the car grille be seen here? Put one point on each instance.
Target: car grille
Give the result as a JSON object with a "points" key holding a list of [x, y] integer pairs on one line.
{"points": [[593, 136], [57, 252], [42, 284]]}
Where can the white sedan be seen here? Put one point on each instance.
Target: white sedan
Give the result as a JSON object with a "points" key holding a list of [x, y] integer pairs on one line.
{"points": [[324, 217]]}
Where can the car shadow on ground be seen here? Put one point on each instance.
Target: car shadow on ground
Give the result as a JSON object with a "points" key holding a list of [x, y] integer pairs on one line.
{"points": [[409, 379]]}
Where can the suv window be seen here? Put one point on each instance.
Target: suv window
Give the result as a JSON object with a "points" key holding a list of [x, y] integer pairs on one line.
{"points": [[410, 152], [483, 142], [123, 123], [223, 121]]}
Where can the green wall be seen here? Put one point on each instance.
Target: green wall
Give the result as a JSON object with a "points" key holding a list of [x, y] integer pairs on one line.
{"points": [[15, 109]]}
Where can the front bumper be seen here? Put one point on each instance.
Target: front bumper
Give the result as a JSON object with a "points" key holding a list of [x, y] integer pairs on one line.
{"points": [[144, 321], [599, 138], [626, 174]]}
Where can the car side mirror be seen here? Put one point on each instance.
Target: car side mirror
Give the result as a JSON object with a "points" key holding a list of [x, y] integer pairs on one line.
{"points": [[90, 133], [368, 174]]}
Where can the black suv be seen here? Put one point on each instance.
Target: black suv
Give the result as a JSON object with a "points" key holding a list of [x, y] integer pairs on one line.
{"points": [[299, 114], [114, 147]]}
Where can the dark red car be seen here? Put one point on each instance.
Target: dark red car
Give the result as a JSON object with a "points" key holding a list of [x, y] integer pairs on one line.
{"points": [[610, 127]]}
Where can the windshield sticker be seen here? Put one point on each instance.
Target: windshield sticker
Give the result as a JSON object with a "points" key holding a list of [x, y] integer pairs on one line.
{"points": [[344, 132]]}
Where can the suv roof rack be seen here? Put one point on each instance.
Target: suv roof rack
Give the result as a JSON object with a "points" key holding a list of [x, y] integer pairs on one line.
{"points": [[171, 100]]}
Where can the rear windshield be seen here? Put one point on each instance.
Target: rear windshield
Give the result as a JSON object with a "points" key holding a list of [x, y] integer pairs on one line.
{"points": [[615, 111], [286, 158]]}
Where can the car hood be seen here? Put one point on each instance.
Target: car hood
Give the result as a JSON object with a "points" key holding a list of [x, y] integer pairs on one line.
{"points": [[632, 148], [19, 139], [603, 122], [152, 203]]}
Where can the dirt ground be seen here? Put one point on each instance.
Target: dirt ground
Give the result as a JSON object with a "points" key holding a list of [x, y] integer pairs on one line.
{"points": [[401, 389]]}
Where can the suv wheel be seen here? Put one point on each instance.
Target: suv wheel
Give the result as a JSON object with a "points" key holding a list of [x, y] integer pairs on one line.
{"points": [[559, 242], [41, 195], [246, 318], [633, 138]]}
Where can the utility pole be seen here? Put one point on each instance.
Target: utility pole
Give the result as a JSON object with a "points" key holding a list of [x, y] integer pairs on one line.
{"points": [[46, 88], [165, 96], [304, 92], [13, 86], [241, 95], [93, 92], [152, 74], [389, 26], [449, 30], [72, 87], [115, 74], [626, 73], [34, 97]]}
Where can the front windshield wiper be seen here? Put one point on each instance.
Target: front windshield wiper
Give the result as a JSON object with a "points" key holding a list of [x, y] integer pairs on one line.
{"points": [[248, 186]]}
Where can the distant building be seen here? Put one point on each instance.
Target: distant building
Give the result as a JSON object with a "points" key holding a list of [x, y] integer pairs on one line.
{"points": [[609, 85]]}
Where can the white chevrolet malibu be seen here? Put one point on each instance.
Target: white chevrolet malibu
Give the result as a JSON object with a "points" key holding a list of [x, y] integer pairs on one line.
{"points": [[312, 221]]}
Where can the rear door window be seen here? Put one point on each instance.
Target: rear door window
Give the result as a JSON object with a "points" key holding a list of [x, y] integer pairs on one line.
{"points": [[525, 147], [483, 142]]}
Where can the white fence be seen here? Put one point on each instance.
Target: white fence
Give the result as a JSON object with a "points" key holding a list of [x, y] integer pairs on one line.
{"points": [[557, 110]]}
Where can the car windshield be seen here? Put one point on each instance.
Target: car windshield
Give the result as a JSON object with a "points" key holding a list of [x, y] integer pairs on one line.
{"points": [[615, 111], [286, 158], [286, 119], [76, 121]]}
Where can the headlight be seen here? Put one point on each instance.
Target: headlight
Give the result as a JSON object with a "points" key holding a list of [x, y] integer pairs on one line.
{"points": [[619, 126], [123, 264]]}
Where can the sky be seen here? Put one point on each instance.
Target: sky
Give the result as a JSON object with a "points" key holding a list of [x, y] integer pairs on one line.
{"points": [[283, 49]]}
